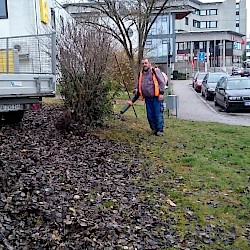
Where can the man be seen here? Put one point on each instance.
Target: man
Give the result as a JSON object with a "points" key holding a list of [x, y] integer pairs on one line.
{"points": [[151, 85]]}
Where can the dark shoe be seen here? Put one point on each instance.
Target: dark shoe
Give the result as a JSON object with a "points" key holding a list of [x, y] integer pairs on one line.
{"points": [[159, 133], [153, 132]]}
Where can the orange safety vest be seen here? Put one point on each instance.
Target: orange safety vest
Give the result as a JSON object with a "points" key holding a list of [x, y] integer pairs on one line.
{"points": [[155, 81]]}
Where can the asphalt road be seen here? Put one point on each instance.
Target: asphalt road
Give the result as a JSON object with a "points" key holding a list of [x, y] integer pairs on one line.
{"points": [[192, 106]]}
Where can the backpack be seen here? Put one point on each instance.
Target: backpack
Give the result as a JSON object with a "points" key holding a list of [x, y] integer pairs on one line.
{"points": [[165, 78], [163, 74]]}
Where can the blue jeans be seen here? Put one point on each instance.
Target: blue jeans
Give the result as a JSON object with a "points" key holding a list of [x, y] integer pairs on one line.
{"points": [[154, 109]]}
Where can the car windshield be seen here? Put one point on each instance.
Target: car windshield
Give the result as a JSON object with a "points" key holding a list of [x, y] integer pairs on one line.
{"points": [[215, 78], [201, 76], [239, 84]]}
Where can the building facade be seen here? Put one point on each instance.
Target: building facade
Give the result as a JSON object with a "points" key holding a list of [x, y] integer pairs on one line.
{"points": [[30, 17], [215, 30], [248, 50], [161, 41]]}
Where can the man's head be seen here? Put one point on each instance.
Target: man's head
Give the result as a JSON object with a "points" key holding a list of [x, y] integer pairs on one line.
{"points": [[145, 63]]}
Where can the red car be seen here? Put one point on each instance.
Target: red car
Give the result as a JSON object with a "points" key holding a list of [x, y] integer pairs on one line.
{"points": [[197, 80], [245, 72]]}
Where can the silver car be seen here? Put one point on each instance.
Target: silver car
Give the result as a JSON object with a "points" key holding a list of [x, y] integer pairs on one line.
{"points": [[209, 83], [236, 71]]}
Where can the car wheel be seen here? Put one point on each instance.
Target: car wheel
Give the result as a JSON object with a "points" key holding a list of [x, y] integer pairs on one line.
{"points": [[227, 108], [206, 96], [215, 102]]}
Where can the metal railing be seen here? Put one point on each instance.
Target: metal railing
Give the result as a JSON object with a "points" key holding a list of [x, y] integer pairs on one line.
{"points": [[34, 54]]}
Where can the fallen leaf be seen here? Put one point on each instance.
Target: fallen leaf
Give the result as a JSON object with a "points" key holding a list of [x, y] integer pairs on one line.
{"points": [[76, 197], [171, 203]]}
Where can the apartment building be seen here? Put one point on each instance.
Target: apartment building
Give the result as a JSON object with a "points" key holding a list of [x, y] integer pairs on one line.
{"points": [[248, 50], [215, 30], [161, 41], [189, 28]]}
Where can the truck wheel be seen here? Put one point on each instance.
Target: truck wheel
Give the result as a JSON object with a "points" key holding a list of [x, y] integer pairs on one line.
{"points": [[13, 116]]}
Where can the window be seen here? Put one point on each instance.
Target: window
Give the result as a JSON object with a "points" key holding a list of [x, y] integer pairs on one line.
{"points": [[237, 13], [229, 45], [212, 24], [3, 9], [181, 46], [208, 24], [53, 19], [62, 24], [237, 24], [149, 42], [165, 42], [203, 12], [202, 45], [164, 19], [237, 5], [203, 25], [153, 31], [196, 24], [196, 11], [186, 20], [213, 12]]}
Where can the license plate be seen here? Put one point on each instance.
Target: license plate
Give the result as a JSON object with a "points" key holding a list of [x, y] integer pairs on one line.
{"points": [[247, 103], [10, 107]]}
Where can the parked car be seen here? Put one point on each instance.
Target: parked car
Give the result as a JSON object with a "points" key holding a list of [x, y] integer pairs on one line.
{"points": [[197, 80], [233, 93], [245, 72], [236, 70], [209, 83]]}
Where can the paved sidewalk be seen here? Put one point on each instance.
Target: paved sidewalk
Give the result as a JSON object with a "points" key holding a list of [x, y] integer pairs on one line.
{"points": [[193, 107]]}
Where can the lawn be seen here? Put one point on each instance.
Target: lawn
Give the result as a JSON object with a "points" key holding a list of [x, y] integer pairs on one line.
{"points": [[197, 174], [203, 168]]}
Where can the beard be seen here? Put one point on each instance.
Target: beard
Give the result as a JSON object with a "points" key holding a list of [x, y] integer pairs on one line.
{"points": [[145, 69]]}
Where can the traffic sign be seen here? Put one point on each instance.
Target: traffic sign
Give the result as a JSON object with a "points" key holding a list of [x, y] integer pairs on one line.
{"points": [[201, 56]]}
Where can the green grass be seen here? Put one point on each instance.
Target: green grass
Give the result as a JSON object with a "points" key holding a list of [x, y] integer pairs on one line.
{"points": [[202, 167], [52, 100]]}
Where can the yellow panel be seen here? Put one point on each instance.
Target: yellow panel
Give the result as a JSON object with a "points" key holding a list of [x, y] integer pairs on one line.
{"points": [[3, 61], [44, 11]]}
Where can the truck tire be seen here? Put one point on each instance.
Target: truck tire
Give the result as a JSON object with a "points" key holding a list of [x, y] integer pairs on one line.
{"points": [[12, 117]]}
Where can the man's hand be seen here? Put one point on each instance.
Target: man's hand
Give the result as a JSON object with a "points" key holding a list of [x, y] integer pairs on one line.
{"points": [[161, 97]]}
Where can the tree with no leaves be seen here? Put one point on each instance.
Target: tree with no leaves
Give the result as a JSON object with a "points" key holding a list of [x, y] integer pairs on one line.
{"points": [[83, 55], [120, 17]]}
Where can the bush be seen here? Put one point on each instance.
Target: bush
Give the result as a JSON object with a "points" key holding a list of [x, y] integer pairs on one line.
{"points": [[83, 60]]}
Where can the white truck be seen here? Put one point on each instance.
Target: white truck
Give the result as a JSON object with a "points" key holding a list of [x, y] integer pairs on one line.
{"points": [[28, 54], [27, 73]]}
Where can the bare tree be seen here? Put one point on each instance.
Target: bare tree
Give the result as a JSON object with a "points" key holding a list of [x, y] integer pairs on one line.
{"points": [[83, 55], [120, 17]]}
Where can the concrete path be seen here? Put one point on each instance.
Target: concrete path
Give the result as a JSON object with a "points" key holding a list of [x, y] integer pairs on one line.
{"points": [[194, 107]]}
